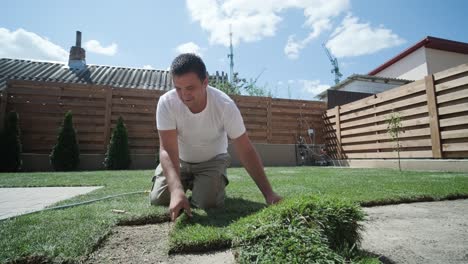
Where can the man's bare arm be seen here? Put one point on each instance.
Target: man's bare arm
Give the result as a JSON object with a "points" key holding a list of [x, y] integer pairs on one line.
{"points": [[169, 158], [253, 164]]}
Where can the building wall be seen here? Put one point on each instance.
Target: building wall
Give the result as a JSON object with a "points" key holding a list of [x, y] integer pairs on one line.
{"points": [[411, 67], [439, 60]]}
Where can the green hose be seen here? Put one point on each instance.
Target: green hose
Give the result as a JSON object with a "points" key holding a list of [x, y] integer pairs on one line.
{"points": [[74, 204]]}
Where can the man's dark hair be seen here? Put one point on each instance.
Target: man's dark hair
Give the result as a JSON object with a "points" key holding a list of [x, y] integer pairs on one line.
{"points": [[188, 62]]}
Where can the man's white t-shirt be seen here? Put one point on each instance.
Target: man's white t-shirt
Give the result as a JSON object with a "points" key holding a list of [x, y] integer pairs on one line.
{"points": [[203, 135]]}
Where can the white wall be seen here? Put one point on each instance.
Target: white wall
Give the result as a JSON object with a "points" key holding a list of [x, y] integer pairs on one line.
{"points": [[411, 67], [367, 87], [439, 60]]}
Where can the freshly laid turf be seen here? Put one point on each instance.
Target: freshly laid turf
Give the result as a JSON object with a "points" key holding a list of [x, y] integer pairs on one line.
{"points": [[364, 186], [300, 230], [72, 233]]}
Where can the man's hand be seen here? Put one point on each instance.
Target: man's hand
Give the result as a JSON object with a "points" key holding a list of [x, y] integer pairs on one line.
{"points": [[273, 198], [179, 202]]}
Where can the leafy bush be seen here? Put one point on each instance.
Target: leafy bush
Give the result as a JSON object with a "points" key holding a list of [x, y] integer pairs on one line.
{"points": [[303, 230], [65, 154], [118, 152], [10, 144], [394, 128]]}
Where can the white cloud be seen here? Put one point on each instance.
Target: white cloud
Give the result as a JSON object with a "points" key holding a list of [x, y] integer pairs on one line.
{"points": [[189, 47], [253, 20], [293, 48], [96, 47], [148, 67], [313, 87], [319, 19], [352, 38], [23, 44]]}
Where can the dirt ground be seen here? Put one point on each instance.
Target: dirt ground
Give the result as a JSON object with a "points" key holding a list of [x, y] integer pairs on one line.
{"points": [[148, 244], [434, 232]]}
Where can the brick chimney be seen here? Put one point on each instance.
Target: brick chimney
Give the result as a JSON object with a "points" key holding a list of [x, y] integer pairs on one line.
{"points": [[77, 59]]}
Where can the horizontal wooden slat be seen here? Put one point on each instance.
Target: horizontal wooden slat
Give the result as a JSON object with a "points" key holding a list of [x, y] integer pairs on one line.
{"points": [[452, 109], [391, 94], [383, 127], [129, 109], [389, 145], [385, 107], [462, 133], [370, 120], [51, 85], [297, 103], [450, 72], [56, 109], [54, 102], [135, 93], [295, 111], [451, 84], [42, 119], [387, 155], [455, 154], [56, 92], [406, 134], [251, 111], [140, 102], [330, 113], [455, 147], [140, 118], [454, 121], [452, 96]]}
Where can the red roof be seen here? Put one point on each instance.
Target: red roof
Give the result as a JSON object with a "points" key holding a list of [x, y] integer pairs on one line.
{"points": [[428, 42]]}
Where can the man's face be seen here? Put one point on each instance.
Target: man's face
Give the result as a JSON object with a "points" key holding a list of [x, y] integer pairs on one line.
{"points": [[191, 90]]}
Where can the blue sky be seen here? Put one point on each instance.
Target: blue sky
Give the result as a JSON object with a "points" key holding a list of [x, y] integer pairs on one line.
{"points": [[279, 38]]}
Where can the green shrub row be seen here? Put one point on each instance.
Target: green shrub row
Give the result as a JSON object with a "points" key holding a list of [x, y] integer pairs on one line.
{"points": [[65, 155]]}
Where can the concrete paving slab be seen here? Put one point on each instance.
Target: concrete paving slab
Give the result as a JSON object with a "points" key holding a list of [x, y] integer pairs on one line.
{"points": [[18, 201]]}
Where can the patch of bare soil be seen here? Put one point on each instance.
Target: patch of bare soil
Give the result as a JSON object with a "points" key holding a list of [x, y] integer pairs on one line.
{"points": [[148, 244], [432, 232]]}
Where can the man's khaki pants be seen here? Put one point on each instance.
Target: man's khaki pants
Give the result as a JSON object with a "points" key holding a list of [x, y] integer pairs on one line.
{"points": [[207, 180]]}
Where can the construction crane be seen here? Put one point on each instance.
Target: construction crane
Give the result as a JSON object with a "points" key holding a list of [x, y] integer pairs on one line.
{"points": [[231, 57], [335, 70]]}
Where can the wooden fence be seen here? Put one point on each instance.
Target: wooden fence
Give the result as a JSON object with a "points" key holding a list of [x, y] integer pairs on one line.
{"points": [[41, 107], [434, 117]]}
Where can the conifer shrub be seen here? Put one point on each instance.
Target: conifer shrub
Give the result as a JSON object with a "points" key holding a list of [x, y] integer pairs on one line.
{"points": [[65, 155], [10, 144], [118, 152]]}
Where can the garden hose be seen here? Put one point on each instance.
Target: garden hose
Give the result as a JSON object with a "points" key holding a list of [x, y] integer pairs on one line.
{"points": [[76, 204]]}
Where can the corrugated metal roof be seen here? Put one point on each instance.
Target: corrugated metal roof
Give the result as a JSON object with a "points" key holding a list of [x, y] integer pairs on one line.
{"points": [[363, 77], [119, 77]]}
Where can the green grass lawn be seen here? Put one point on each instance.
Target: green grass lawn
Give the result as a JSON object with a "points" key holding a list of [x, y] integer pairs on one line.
{"points": [[72, 233]]}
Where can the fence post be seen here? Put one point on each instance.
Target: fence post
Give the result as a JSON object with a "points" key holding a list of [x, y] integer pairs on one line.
{"points": [[107, 118], [433, 116], [338, 132], [269, 124], [3, 104]]}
